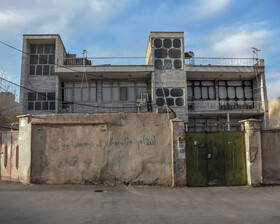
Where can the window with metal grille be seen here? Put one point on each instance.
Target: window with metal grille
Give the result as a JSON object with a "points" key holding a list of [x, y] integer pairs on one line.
{"points": [[41, 101], [42, 59]]}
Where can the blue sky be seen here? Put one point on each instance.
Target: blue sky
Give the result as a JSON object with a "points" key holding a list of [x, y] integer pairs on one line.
{"points": [[213, 28]]}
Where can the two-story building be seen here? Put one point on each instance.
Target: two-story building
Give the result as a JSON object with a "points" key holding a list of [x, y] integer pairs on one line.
{"points": [[198, 90]]}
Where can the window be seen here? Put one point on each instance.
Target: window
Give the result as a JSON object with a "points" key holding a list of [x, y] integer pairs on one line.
{"points": [[201, 90], [235, 90], [128, 91], [78, 92], [42, 57], [41, 101]]}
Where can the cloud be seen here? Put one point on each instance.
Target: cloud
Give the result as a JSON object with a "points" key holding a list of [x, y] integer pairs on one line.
{"points": [[272, 84], [237, 42], [57, 16], [208, 8]]}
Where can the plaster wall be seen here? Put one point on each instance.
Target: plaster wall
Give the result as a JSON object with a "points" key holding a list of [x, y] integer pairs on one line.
{"points": [[107, 148], [270, 139], [25, 150]]}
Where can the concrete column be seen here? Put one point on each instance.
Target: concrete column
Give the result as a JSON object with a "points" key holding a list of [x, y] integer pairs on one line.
{"points": [[24, 171], [99, 91], [178, 153], [253, 151]]}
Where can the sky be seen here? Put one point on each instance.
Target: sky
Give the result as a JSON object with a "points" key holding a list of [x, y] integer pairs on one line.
{"points": [[120, 28]]}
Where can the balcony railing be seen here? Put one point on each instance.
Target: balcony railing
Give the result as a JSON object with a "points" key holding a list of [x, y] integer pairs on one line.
{"points": [[95, 61], [197, 61], [225, 105]]}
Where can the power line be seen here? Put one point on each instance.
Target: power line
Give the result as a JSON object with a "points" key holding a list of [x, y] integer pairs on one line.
{"points": [[55, 98], [64, 101], [62, 66]]}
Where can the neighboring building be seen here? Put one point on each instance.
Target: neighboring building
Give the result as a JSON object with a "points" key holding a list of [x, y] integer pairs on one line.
{"points": [[198, 90], [274, 112], [8, 109]]}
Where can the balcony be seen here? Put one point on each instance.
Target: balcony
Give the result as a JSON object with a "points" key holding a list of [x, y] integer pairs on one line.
{"points": [[209, 61], [209, 106]]}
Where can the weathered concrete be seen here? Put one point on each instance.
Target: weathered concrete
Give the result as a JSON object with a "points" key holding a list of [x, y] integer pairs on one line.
{"points": [[179, 174], [253, 151], [271, 156], [25, 150], [101, 148]]}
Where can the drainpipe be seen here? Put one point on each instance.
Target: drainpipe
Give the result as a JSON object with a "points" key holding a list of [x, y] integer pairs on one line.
{"points": [[228, 124]]}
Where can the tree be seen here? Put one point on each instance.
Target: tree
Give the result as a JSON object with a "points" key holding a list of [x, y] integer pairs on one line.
{"points": [[8, 105]]}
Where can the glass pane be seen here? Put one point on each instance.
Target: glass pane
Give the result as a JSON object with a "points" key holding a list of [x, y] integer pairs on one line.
{"points": [[51, 95], [37, 105], [231, 92], [234, 83], [106, 94], [47, 48], [68, 95], [248, 92], [190, 93], [239, 93], [123, 93], [189, 83], [33, 48], [204, 93], [212, 94], [77, 94], [207, 83], [93, 84], [32, 70], [116, 94], [197, 93], [39, 70], [85, 94], [46, 70], [68, 84], [51, 59], [92, 96], [141, 83], [42, 96], [52, 105], [222, 93], [33, 59], [106, 84], [131, 94], [40, 48]]}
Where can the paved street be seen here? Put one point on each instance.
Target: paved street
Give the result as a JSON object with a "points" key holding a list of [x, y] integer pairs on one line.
{"points": [[137, 204]]}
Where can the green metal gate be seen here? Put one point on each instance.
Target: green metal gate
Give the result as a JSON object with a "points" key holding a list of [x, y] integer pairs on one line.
{"points": [[215, 159]]}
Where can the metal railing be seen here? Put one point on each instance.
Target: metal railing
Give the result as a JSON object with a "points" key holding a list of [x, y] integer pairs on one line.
{"points": [[225, 105], [125, 108], [197, 61], [95, 61]]}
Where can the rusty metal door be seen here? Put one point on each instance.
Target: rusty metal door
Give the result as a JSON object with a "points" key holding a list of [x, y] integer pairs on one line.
{"points": [[215, 159]]}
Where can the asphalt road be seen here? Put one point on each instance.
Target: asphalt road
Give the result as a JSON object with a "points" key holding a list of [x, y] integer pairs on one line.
{"points": [[137, 204]]}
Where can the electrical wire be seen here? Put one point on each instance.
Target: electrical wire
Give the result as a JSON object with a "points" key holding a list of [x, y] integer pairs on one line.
{"points": [[55, 98]]}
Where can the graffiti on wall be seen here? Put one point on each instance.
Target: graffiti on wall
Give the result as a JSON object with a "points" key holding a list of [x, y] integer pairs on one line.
{"points": [[145, 141]]}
